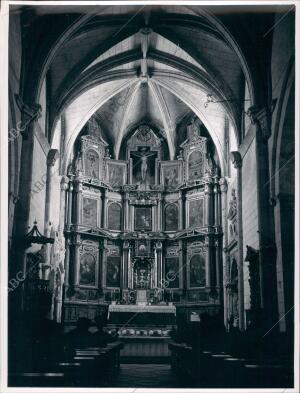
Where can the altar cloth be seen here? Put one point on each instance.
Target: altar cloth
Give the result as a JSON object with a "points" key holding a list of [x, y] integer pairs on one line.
{"points": [[137, 308]]}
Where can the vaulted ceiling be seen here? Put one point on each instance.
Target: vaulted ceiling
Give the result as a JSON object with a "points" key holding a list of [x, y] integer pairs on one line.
{"points": [[129, 64]]}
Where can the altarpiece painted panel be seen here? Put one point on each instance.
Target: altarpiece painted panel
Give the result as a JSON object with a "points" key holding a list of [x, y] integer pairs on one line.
{"points": [[143, 218], [197, 271], [88, 266], [195, 213], [90, 212], [171, 217], [91, 164], [114, 216], [113, 271], [172, 271], [171, 174], [196, 161], [116, 173]]}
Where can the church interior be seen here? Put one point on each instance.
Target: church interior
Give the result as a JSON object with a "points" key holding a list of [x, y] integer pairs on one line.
{"points": [[151, 197]]}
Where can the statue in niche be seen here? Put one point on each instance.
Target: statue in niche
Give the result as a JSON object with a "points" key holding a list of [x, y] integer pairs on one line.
{"points": [[232, 206], [193, 129], [143, 156]]}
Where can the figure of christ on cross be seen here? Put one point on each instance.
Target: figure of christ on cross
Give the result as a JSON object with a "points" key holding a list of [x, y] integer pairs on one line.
{"points": [[143, 156]]}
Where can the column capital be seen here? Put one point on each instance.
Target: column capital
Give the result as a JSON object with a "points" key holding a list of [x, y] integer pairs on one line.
{"points": [[262, 117], [223, 184], [30, 112], [126, 245], [64, 183], [208, 188], [236, 159], [207, 241], [158, 245], [78, 186], [52, 156], [216, 188]]}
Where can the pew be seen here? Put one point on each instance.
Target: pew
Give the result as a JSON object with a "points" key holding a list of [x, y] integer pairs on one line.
{"points": [[219, 369], [88, 367]]}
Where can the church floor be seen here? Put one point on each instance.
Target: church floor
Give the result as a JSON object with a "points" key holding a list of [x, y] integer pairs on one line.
{"points": [[146, 375]]}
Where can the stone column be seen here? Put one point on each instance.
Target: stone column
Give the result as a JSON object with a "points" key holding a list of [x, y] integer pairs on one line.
{"points": [[266, 228], [237, 162], [63, 197], [51, 160], [223, 187], [50, 180], [78, 191]]}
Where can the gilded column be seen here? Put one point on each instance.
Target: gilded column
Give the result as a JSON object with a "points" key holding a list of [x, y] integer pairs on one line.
{"points": [[70, 203], [78, 192], [126, 212], [237, 162], [159, 214], [77, 245], [184, 266], [104, 209], [217, 212], [67, 261], [124, 282], [208, 203], [208, 261], [159, 264], [103, 270], [180, 209], [218, 260], [155, 273]]}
